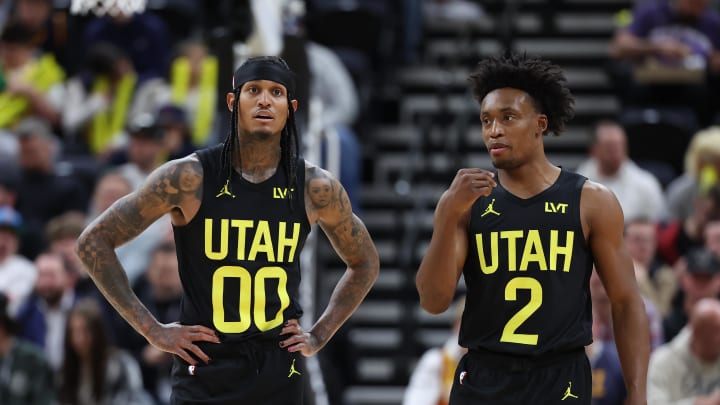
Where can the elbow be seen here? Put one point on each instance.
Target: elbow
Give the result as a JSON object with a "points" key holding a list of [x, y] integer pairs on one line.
{"points": [[373, 268], [433, 307], [431, 301], [83, 249]]}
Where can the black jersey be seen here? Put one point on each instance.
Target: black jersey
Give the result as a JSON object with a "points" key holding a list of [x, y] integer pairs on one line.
{"points": [[239, 256], [527, 272]]}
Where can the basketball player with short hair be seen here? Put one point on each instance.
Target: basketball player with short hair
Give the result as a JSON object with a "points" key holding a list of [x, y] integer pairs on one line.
{"points": [[241, 212], [525, 237]]}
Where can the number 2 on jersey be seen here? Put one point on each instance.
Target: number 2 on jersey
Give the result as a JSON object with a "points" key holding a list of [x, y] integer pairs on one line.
{"points": [[246, 283], [522, 283]]}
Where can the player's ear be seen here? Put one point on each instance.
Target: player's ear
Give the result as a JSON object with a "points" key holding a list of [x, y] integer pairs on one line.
{"points": [[230, 98], [294, 104], [542, 123]]}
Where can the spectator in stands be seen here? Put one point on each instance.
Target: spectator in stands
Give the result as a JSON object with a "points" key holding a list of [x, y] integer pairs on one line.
{"points": [[656, 279], [702, 163], [135, 254], [26, 377], [43, 317], [671, 34], [687, 369], [62, 233], [17, 273], [50, 26], [160, 290], [699, 277], [43, 193], [608, 384], [638, 191], [145, 150], [676, 237], [140, 35], [432, 377], [602, 314], [194, 85], [172, 122], [105, 97], [33, 80], [94, 371]]}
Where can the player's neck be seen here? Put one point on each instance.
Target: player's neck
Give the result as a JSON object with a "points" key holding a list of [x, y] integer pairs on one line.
{"points": [[529, 179], [259, 158]]}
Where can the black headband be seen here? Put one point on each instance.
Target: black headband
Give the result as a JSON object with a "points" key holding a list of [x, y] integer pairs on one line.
{"points": [[264, 70]]}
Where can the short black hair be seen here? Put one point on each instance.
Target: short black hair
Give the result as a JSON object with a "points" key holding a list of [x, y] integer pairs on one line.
{"points": [[543, 81]]}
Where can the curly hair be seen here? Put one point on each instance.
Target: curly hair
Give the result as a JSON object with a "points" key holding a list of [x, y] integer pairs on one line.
{"points": [[542, 80]]}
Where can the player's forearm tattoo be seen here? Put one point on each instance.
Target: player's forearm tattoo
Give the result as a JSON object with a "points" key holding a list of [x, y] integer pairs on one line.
{"points": [[352, 241], [123, 221], [96, 250]]}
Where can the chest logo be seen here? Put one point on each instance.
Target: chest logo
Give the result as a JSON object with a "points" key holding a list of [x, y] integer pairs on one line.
{"points": [[225, 190], [490, 210], [281, 192], [555, 207]]}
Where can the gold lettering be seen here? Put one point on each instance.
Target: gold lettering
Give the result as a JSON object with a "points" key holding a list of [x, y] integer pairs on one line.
{"points": [[242, 226], [555, 207], [285, 242], [209, 252], [533, 251], [262, 242], [512, 237], [556, 250], [493, 252]]}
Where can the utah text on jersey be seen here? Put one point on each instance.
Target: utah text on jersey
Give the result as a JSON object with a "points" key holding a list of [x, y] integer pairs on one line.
{"points": [[257, 234], [527, 242]]}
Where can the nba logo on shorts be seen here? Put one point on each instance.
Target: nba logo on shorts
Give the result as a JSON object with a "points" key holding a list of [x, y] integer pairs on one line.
{"points": [[191, 370], [462, 376]]}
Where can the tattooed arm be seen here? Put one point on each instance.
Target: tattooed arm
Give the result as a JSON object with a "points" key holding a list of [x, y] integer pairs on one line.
{"points": [[327, 204], [175, 188]]}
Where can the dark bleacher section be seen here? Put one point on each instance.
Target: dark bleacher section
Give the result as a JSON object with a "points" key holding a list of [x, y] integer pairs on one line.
{"points": [[428, 128]]}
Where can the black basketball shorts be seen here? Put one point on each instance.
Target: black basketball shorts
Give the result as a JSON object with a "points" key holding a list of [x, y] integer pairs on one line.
{"points": [[243, 373], [495, 379]]}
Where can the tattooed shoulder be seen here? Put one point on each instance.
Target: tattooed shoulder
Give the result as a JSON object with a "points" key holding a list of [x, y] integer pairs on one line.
{"points": [[323, 190], [176, 183]]}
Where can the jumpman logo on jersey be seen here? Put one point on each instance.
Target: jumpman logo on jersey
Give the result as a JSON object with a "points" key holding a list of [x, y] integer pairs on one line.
{"points": [[490, 209], [568, 392], [292, 370], [225, 191]]}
